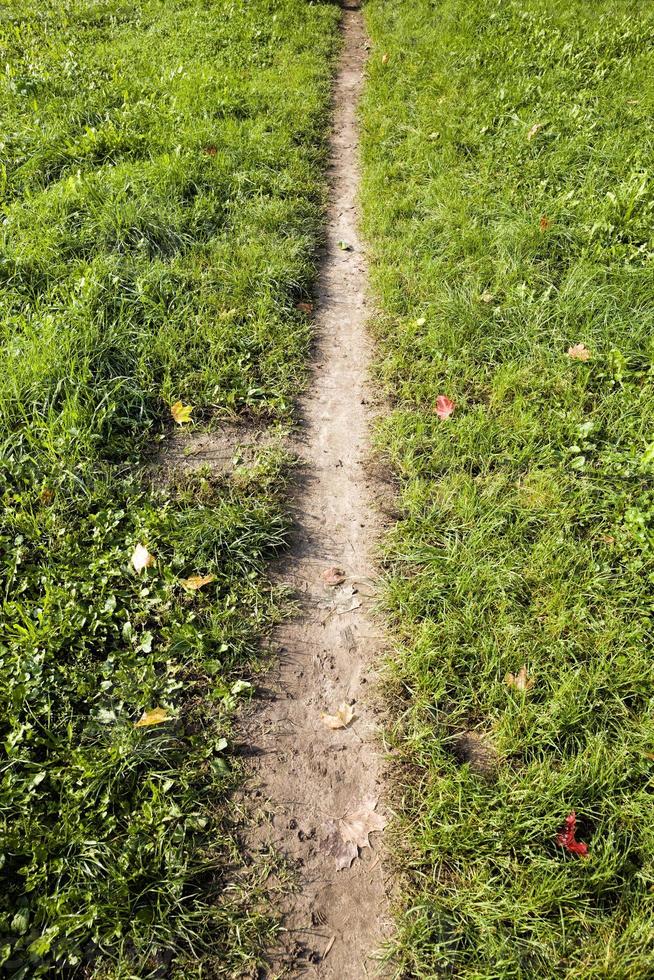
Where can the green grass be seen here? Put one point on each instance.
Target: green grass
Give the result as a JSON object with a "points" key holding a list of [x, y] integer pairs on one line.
{"points": [[527, 518], [161, 198]]}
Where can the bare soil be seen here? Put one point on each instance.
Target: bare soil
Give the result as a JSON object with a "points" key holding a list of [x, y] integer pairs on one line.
{"points": [[306, 777], [220, 450]]}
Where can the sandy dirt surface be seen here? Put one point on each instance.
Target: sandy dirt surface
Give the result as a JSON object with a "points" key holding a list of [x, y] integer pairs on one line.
{"points": [[315, 791]]}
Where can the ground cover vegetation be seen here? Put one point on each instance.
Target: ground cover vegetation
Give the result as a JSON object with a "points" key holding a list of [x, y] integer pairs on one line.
{"points": [[509, 207], [161, 198]]}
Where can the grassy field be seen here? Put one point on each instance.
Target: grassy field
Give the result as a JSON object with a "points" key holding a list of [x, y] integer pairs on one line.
{"points": [[161, 198], [509, 205]]}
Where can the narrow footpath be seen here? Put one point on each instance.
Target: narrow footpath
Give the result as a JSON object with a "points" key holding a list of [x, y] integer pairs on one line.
{"points": [[315, 788]]}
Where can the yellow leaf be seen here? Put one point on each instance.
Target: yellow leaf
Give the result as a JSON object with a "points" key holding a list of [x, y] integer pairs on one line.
{"points": [[195, 582], [154, 717], [181, 413], [141, 558], [342, 718]]}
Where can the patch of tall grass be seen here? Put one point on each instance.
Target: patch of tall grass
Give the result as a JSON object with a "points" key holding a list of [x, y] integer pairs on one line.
{"points": [[161, 197], [509, 202]]}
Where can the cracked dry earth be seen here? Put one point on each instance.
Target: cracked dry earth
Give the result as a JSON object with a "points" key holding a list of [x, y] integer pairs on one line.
{"points": [[316, 789]]}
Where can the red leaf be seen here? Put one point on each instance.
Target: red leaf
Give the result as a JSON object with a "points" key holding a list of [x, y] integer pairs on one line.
{"points": [[444, 407], [567, 837]]}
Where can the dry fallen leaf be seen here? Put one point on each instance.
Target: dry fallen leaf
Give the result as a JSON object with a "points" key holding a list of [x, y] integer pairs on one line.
{"points": [[544, 223], [486, 297], [341, 719], [210, 151], [154, 717], [534, 129], [181, 413], [346, 836], [343, 599], [304, 307], [444, 407], [343, 852], [358, 826], [607, 538], [141, 558], [47, 496], [385, 58], [195, 582], [333, 576], [521, 681], [579, 352]]}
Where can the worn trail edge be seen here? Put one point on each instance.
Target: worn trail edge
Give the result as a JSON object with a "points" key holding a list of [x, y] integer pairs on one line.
{"points": [[305, 776]]}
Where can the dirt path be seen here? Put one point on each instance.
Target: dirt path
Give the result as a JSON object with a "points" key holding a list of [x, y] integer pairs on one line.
{"points": [[307, 776]]}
